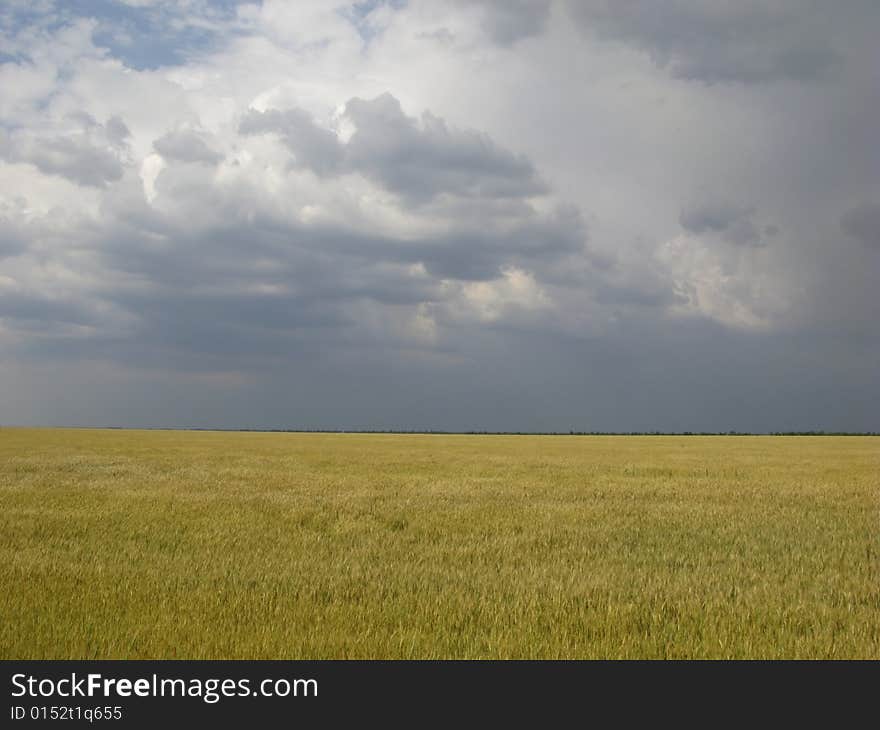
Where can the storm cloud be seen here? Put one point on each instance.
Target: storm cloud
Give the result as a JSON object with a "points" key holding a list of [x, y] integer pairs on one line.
{"points": [[541, 215]]}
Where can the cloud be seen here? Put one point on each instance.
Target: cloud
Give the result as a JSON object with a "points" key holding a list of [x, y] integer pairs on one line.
{"points": [[725, 284], [744, 232], [186, 145], [735, 223], [744, 42], [420, 159], [194, 288], [509, 21], [89, 153], [12, 240], [863, 223], [116, 131], [314, 148], [42, 312], [710, 217], [291, 214], [72, 157], [231, 268], [416, 159]]}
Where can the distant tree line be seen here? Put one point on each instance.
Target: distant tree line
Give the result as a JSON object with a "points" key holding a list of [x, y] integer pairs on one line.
{"points": [[438, 432]]}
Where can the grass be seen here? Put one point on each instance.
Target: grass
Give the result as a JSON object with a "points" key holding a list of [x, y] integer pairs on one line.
{"points": [[138, 544]]}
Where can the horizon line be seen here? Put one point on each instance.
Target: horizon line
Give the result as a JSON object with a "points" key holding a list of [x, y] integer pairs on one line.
{"points": [[447, 432]]}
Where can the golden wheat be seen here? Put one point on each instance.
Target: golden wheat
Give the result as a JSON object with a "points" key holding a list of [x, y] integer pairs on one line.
{"points": [[158, 544]]}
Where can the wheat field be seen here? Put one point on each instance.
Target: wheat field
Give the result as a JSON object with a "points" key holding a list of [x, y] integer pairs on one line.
{"points": [[163, 544]]}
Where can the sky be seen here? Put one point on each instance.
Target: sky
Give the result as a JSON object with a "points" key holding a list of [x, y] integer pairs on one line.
{"points": [[516, 215]]}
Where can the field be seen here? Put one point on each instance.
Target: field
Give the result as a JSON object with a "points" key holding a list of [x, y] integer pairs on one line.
{"points": [[140, 544]]}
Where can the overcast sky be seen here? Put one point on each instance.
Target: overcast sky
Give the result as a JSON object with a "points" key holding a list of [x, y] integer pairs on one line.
{"points": [[441, 214]]}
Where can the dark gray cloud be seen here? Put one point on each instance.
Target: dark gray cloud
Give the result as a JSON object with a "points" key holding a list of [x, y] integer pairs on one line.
{"points": [[273, 275], [38, 311], [74, 158], [185, 145], [744, 232], [745, 42], [509, 21], [735, 223], [12, 239], [92, 154], [416, 159], [117, 131], [863, 223], [421, 160], [481, 254], [252, 287], [313, 147], [688, 375], [710, 217]]}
